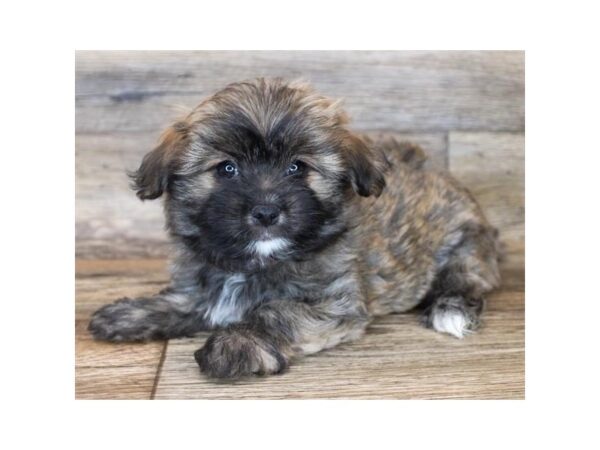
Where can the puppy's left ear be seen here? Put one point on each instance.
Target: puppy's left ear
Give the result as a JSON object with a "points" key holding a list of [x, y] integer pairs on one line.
{"points": [[152, 177], [367, 166]]}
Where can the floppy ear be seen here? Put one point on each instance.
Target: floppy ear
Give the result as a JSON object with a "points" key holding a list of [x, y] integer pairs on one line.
{"points": [[152, 177], [366, 166]]}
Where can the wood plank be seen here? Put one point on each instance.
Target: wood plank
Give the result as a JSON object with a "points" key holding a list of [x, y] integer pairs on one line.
{"points": [[105, 370], [403, 90], [133, 382], [397, 359], [492, 166], [111, 222]]}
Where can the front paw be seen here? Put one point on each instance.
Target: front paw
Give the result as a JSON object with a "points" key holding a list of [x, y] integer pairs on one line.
{"points": [[235, 353], [121, 321]]}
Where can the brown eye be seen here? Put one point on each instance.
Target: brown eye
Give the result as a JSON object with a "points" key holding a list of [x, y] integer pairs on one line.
{"points": [[294, 168], [227, 169]]}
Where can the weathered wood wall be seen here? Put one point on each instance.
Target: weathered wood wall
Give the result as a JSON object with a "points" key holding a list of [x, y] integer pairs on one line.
{"points": [[465, 108]]}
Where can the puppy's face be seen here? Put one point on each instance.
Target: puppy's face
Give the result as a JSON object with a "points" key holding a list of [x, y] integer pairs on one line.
{"points": [[260, 172]]}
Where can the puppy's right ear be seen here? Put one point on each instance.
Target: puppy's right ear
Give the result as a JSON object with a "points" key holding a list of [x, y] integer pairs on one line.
{"points": [[152, 178], [367, 166]]}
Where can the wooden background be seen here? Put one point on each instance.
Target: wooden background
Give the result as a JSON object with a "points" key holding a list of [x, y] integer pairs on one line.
{"points": [[465, 108]]}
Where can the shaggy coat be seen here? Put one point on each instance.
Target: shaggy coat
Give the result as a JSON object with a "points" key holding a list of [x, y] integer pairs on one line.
{"points": [[290, 233]]}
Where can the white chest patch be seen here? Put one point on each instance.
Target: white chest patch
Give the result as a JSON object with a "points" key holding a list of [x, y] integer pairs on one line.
{"points": [[269, 246], [227, 309]]}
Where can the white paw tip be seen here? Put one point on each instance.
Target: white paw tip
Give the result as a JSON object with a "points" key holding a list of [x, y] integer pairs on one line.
{"points": [[451, 322]]}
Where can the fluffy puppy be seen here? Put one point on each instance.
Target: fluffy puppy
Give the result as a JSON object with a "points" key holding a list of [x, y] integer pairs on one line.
{"points": [[285, 240]]}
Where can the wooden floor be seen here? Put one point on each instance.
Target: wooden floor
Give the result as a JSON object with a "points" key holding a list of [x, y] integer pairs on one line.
{"points": [[397, 358]]}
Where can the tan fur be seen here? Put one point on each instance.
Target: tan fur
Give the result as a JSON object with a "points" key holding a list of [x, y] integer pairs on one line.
{"points": [[399, 240], [319, 184]]}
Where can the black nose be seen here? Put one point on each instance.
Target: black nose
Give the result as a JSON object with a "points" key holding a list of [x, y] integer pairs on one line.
{"points": [[266, 214]]}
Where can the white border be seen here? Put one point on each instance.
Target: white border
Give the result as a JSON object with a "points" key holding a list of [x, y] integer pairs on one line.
{"points": [[562, 222]]}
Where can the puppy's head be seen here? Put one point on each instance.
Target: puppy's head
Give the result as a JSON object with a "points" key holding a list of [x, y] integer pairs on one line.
{"points": [[261, 171]]}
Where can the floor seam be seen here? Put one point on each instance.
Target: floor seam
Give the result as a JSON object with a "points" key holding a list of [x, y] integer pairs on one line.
{"points": [[161, 363]]}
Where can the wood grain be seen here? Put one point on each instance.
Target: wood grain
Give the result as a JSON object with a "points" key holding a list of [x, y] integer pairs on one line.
{"points": [[492, 166], [113, 371], [404, 91]]}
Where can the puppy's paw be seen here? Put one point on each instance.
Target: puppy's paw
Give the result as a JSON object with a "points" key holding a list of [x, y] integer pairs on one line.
{"points": [[456, 316], [121, 321], [235, 353]]}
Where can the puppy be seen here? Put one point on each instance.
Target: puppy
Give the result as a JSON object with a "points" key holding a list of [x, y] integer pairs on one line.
{"points": [[286, 242]]}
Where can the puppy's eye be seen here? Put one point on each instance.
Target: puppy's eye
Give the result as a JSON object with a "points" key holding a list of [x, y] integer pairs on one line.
{"points": [[227, 169], [294, 168]]}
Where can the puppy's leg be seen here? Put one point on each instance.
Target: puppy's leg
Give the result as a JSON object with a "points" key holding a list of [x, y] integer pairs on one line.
{"points": [[456, 300], [277, 332], [164, 316]]}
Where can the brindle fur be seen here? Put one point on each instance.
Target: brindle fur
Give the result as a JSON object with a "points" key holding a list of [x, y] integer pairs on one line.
{"points": [[420, 242]]}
